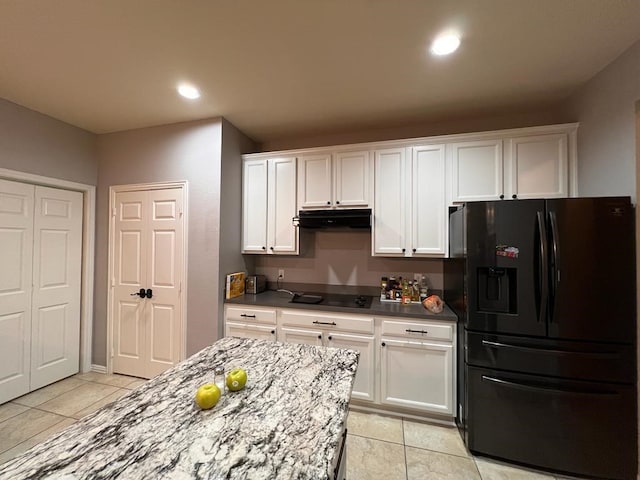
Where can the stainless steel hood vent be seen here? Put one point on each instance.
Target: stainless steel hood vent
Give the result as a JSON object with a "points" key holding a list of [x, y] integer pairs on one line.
{"points": [[351, 218]]}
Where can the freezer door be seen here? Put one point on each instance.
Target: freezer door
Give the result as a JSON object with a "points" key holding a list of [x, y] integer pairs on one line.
{"points": [[592, 272], [506, 272], [582, 428]]}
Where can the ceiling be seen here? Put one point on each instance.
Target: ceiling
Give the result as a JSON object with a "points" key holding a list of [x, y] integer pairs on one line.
{"points": [[278, 68]]}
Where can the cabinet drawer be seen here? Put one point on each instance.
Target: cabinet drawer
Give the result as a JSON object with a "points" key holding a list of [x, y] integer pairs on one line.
{"points": [[251, 314], [431, 331], [351, 323]]}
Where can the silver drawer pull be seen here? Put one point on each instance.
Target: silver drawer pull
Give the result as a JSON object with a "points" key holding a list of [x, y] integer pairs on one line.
{"points": [[323, 323], [423, 332]]}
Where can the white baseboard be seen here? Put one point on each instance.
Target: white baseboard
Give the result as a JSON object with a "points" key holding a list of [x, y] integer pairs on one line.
{"points": [[98, 368]]}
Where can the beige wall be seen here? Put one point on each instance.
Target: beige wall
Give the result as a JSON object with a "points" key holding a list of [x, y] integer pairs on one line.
{"points": [[35, 143], [234, 144], [343, 257], [188, 151], [605, 108]]}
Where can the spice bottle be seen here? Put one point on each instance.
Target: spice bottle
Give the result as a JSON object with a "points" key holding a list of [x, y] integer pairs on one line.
{"points": [[424, 291], [406, 293]]}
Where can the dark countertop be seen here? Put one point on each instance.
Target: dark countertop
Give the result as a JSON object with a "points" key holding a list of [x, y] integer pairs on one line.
{"points": [[276, 299]]}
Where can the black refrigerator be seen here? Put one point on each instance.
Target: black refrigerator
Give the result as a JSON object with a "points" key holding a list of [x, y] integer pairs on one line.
{"points": [[545, 293]]}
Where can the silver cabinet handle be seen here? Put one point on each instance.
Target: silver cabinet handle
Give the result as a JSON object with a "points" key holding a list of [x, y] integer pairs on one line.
{"points": [[423, 332]]}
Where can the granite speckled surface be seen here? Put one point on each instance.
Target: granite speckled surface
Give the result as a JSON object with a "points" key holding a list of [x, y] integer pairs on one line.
{"points": [[286, 423], [276, 299]]}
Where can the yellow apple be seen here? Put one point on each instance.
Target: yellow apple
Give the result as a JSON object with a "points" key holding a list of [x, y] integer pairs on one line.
{"points": [[236, 379], [207, 396]]}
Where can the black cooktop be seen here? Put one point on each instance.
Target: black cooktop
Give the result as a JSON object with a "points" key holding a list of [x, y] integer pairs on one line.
{"points": [[334, 300]]}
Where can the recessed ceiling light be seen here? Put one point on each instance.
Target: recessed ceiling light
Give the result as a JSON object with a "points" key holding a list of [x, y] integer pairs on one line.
{"points": [[445, 44], [188, 91]]}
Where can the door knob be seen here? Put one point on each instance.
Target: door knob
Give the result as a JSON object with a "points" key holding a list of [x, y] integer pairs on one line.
{"points": [[142, 293], [149, 293]]}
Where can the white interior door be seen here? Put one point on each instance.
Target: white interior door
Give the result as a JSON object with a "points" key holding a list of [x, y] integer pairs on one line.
{"points": [[148, 254], [16, 247], [57, 252]]}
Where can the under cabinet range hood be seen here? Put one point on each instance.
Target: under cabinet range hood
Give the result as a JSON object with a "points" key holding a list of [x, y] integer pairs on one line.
{"points": [[351, 218]]}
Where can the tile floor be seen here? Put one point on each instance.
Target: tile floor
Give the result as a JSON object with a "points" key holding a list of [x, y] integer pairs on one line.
{"points": [[379, 447]]}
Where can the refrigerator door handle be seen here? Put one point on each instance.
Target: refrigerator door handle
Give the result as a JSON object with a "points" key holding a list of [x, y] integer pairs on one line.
{"points": [[538, 388], [555, 262], [544, 265], [551, 351]]}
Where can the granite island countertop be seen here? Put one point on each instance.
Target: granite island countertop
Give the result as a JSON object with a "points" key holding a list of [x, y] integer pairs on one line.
{"points": [[287, 422], [272, 298]]}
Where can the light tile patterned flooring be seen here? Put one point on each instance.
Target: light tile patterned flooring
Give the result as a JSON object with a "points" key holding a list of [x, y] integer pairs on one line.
{"points": [[378, 447]]}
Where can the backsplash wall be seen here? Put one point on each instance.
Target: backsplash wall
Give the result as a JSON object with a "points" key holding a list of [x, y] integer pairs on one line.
{"points": [[343, 257]]}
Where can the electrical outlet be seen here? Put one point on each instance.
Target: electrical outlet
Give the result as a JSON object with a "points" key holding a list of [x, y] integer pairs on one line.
{"points": [[281, 273]]}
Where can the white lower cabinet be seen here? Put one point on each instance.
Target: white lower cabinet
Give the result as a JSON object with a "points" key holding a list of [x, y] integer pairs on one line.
{"points": [[365, 383], [417, 375], [335, 330], [250, 322], [417, 365], [407, 363]]}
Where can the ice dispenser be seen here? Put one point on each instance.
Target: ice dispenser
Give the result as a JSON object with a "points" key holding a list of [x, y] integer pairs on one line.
{"points": [[497, 290]]}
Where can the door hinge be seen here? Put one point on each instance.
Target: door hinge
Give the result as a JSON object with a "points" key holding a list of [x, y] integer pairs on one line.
{"points": [[113, 354], [114, 210]]}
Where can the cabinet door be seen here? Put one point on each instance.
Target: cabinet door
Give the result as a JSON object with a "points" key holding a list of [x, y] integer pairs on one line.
{"points": [[254, 206], [417, 375], [390, 202], [537, 166], [282, 235], [250, 330], [16, 284], [429, 218], [299, 335], [364, 384], [314, 181], [352, 179], [476, 168]]}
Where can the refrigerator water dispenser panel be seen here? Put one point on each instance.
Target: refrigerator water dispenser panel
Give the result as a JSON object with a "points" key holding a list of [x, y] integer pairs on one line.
{"points": [[497, 290]]}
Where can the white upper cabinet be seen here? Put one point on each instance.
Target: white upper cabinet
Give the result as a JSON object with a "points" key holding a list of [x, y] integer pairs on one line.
{"points": [[428, 201], [536, 162], [315, 181], [408, 184], [390, 200], [477, 170], [269, 205], [254, 206], [410, 202], [352, 179], [537, 166], [334, 180]]}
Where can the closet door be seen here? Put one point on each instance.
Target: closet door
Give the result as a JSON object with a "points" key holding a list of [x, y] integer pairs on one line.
{"points": [[148, 254], [16, 247], [55, 314]]}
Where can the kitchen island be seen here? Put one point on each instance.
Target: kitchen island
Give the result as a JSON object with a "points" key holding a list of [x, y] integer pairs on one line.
{"points": [[288, 422]]}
